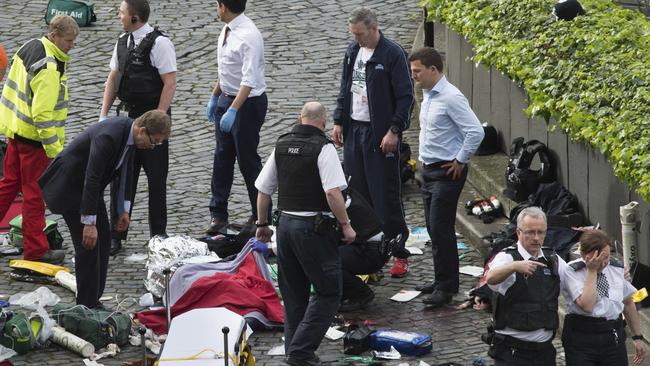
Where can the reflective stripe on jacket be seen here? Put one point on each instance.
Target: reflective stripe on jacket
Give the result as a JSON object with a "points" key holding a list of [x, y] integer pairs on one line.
{"points": [[34, 102]]}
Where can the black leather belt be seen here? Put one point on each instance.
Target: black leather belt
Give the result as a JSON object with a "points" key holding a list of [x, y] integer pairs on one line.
{"points": [[590, 324], [298, 217], [437, 164], [517, 343]]}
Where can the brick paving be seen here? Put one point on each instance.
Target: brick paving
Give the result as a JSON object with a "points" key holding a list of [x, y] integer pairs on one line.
{"points": [[304, 43]]}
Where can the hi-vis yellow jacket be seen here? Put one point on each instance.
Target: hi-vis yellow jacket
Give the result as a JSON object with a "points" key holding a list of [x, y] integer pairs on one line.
{"points": [[34, 102]]}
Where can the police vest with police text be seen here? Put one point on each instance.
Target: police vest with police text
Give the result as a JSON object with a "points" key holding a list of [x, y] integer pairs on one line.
{"points": [[296, 157], [139, 81], [531, 302]]}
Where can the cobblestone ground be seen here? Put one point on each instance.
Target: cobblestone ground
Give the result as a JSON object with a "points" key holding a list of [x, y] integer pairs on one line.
{"points": [[304, 42]]}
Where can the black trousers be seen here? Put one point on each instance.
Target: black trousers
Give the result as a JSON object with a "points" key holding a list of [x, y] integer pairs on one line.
{"points": [[594, 348], [155, 163], [306, 257], [440, 195], [357, 259], [377, 177], [507, 356], [91, 266]]}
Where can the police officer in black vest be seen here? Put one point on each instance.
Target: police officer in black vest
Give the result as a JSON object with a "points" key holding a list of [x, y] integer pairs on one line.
{"points": [[306, 171], [526, 278], [143, 76]]}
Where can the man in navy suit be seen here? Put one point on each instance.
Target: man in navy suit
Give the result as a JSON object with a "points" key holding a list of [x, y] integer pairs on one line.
{"points": [[74, 183]]}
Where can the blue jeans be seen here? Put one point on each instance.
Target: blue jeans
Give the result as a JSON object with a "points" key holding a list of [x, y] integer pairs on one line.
{"points": [[440, 195], [307, 258], [240, 144], [376, 176]]}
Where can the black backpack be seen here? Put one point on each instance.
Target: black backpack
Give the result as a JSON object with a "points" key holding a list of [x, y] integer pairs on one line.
{"points": [[407, 171], [521, 181]]}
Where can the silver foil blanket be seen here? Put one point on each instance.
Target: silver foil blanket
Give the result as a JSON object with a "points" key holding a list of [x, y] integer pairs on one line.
{"points": [[172, 252]]}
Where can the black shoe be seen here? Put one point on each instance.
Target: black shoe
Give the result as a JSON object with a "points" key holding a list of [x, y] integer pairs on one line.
{"points": [[116, 246], [438, 298], [53, 256], [356, 303], [426, 289], [215, 225], [293, 361]]}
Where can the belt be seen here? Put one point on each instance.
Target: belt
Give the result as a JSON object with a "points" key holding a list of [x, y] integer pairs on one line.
{"points": [[437, 164], [298, 217], [590, 324], [517, 343], [26, 141]]}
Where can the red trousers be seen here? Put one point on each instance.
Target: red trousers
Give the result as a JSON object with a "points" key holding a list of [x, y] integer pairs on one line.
{"points": [[22, 167]]}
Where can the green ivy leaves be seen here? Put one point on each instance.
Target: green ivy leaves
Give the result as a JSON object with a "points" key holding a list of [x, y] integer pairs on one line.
{"points": [[591, 74]]}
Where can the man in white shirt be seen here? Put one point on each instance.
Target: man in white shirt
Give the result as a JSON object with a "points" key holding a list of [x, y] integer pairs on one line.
{"points": [[526, 278], [143, 76], [238, 108], [305, 170]]}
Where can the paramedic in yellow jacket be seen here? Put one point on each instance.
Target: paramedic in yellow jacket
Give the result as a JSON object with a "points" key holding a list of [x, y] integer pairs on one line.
{"points": [[33, 110]]}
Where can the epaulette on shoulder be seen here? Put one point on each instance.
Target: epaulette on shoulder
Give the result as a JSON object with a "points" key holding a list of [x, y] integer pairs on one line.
{"points": [[616, 263], [510, 248], [578, 265], [155, 28]]}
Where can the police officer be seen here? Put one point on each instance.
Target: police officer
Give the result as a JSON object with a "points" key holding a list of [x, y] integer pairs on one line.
{"points": [[526, 278], [143, 76], [306, 171], [597, 293]]}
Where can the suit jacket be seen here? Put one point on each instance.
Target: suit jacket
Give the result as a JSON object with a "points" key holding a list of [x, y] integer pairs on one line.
{"points": [[76, 179]]}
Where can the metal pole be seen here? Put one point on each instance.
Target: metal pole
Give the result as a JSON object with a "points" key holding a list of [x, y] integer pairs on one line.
{"points": [[225, 331], [166, 272], [628, 228], [142, 332]]}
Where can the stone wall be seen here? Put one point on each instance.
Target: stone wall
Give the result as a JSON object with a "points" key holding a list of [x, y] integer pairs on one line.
{"points": [[584, 171]]}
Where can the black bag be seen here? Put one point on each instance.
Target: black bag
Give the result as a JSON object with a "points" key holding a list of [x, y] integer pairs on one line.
{"points": [[356, 339], [568, 9], [406, 164], [490, 143], [521, 181], [232, 239]]}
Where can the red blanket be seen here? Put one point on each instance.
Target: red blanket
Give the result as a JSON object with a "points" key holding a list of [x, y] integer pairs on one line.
{"points": [[241, 292]]}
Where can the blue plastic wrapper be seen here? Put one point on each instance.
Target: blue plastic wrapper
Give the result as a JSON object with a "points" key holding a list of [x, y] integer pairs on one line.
{"points": [[407, 343]]}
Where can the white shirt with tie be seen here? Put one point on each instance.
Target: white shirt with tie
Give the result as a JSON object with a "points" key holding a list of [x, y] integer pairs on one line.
{"points": [[163, 54], [240, 57], [539, 335], [609, 307]]}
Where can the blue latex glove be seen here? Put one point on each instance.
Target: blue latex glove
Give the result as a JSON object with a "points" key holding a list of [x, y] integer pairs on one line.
{"points": [[211, 110], [228, 119], [103, 118], [261, 247]]}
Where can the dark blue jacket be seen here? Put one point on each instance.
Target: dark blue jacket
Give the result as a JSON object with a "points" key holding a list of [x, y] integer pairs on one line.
{"points": [[390, 90]]}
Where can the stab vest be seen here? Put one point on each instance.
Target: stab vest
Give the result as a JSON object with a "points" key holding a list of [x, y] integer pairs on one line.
{"points": [[531, 302], [139, 81], [296, 157]]}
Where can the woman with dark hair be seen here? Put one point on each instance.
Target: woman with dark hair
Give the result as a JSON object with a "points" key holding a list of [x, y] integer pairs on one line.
{"points": [[597, 294]]}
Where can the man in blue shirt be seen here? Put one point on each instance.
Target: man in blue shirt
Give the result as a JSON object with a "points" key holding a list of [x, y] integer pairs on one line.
{"points": [[449, 134]]}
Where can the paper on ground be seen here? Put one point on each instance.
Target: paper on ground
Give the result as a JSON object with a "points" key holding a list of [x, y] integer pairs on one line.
{"points": [[414, 250], [276, 351], [475, 271], [334, 334], [405, 295]]}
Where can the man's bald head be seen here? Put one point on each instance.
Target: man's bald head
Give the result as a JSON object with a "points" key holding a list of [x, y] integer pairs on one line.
{"points": [[314, 114]]}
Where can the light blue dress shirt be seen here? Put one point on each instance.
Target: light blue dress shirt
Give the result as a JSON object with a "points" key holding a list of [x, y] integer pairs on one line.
{"points": [[449, 128]]}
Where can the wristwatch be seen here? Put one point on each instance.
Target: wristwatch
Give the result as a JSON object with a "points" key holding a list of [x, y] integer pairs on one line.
{"points": [[639, 337], [394, 129]]}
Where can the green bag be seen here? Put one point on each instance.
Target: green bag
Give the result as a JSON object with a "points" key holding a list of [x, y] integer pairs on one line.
{"points": [[82, 11], [99, 327], [17, 334], [51, 231]]}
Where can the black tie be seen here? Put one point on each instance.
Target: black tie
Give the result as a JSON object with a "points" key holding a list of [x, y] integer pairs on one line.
{"points": [[131, 45], [602, 285], [225, 36]]}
